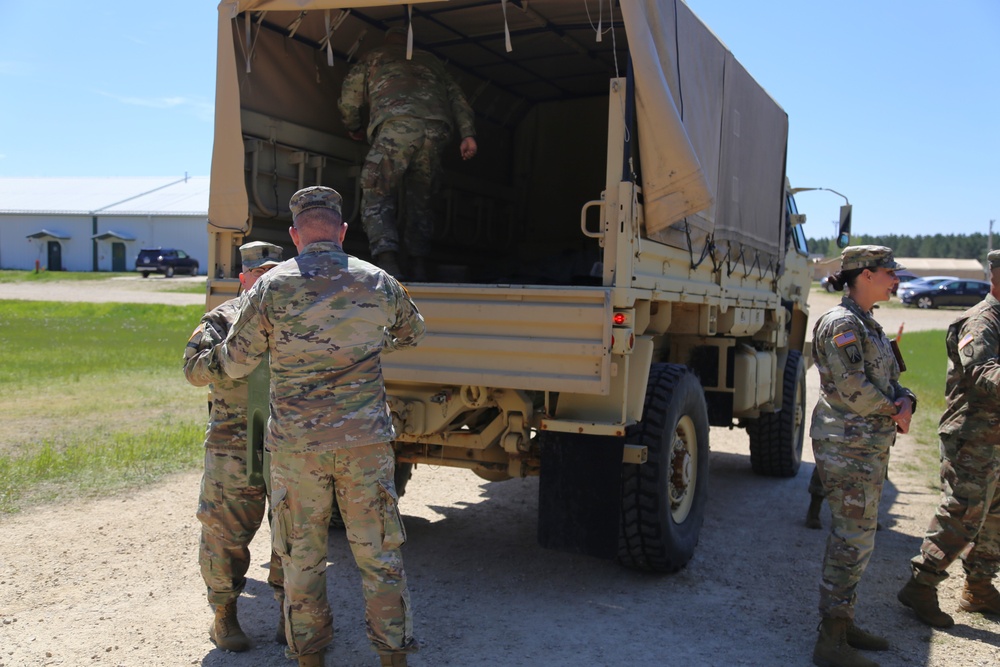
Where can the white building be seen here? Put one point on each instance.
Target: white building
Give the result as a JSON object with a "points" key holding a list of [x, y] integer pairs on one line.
{"points": [[99, 224]]}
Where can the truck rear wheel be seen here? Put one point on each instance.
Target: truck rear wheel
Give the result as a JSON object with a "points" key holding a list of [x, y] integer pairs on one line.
{"points": [[776, 437], [663, 500], [404, 471]]}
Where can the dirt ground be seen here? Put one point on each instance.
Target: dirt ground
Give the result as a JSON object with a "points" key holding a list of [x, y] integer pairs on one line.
{"points": [[115, 581]]}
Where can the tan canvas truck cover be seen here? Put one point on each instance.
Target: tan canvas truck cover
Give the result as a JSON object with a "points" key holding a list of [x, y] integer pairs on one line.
{"points": [[712, 141]]}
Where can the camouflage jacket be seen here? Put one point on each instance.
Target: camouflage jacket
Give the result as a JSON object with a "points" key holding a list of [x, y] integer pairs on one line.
{"points": [[393, 86], [972, 390], [325, 317], [227, 421], [859, 378]]}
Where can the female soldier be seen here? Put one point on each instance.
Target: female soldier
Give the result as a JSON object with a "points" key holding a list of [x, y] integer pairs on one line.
{"points": [[860, 408]]}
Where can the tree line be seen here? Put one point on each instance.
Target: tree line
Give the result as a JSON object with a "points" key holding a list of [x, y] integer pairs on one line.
{"points": [[955, 246]]}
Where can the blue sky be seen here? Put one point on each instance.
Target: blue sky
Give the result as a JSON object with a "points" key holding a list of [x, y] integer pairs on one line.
{"points": [[893, 103]]}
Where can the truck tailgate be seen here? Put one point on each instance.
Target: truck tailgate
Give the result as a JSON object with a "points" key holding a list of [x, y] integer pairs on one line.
{"points": [[534, 338]]}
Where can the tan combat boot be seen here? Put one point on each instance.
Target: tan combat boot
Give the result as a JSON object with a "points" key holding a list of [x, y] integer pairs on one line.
{"points": [[980, 595], [225, 630], [389, 262], [311, 660], [393, 660], [923, 600], [812, 516], [865, 641], [832, 649]]}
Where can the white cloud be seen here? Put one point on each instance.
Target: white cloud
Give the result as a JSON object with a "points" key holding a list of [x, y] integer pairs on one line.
{"points": [[201, 110]]}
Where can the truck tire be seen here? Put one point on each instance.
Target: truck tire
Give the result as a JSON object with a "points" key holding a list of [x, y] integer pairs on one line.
{"points": [[663, 500], [776, 437], [169, 273], [404, 471], [145, 274]]}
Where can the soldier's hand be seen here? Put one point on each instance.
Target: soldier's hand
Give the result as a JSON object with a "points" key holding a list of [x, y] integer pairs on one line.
{"points": [[904, 415], [357, 135], [469, 148]]}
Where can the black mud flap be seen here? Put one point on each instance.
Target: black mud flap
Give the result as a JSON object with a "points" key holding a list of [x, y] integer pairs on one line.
{"points": [[579, 494]]}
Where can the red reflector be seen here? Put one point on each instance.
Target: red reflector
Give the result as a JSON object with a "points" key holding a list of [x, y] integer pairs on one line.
{"points": [[619, 318]]}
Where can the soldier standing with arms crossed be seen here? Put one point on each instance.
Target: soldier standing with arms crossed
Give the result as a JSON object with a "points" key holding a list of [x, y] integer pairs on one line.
{"points": [[229, 508], [969, 513], [325, 318], [860, 408], [413, 107]]}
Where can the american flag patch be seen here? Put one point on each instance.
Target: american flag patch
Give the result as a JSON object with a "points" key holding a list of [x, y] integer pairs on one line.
{"points": [[845, 338], [965, 341]]}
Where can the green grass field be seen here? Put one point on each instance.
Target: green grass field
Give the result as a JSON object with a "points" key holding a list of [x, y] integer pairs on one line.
{"points": [[926, 368], [94, 398]]}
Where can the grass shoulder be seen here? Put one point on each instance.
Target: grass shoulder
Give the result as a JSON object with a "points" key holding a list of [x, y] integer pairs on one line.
{"points": [[95, 399], [13, 276]]}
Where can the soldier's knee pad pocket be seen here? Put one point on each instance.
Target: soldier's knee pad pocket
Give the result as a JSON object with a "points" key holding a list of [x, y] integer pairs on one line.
{"points": [[374, 176], [393, 533], [859, 504], [280, 523]]}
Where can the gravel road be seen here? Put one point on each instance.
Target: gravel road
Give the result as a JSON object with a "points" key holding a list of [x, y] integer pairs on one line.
{"points": [[115, 581]]}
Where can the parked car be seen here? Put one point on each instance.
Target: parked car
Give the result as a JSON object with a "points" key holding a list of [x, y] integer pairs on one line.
{"points": [[167, 261], [904, 277], [949, 293], [922, 281]]}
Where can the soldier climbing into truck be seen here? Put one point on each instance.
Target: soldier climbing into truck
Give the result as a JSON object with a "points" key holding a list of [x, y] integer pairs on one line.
{"points": [[414, 106]]}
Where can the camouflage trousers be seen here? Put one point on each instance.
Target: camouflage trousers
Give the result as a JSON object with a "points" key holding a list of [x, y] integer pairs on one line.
{"points": [[969, 513], [230, 512], [853, 475], [303, 487], [406, 152], [816, 484]]}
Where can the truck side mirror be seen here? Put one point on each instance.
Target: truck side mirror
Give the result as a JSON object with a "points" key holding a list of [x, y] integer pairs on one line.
{"points": [[844, 235]]}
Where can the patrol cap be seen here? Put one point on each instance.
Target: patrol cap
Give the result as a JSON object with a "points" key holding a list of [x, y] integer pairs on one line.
{"points": [[868, 257], [994, 259], [315, 196], [259, 253]]}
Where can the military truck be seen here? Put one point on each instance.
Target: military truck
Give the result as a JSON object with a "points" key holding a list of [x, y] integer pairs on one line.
{"points": [[621, 267]]}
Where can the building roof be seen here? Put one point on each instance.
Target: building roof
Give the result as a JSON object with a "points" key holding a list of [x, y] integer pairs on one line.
{"points": [[187, 196], [940, 264], [935, 264]]}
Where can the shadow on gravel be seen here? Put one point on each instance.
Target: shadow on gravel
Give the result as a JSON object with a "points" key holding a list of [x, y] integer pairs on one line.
{"points": [[484, 593]]}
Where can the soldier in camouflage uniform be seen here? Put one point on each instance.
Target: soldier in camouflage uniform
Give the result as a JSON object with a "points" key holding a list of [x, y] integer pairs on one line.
{"points": [[325, 317], [860, 408], [414, 108], [229, 508], [969, 514]]}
